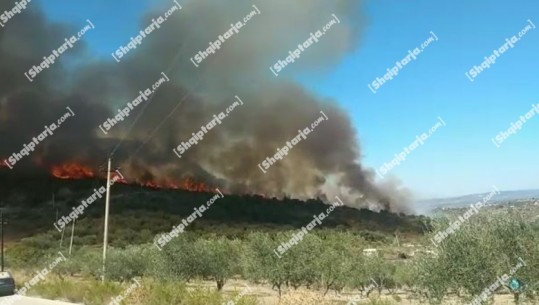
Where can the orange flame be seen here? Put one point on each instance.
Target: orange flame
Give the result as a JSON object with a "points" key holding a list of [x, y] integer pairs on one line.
{"points": [[72, 171], [77, 171], [187, 184], [118, 178]]}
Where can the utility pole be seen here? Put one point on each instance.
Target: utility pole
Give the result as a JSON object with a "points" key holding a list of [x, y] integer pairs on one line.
{"points": [[105, 235], [62, 238], [72, 232], [2, 233]]}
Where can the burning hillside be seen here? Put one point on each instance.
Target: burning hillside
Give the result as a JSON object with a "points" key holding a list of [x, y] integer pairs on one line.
{"points": [[74, 171], [323, 165]]}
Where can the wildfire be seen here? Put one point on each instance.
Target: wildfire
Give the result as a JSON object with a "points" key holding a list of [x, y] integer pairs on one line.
{"points": [[3, 163], [118, 178], [187, 184], [78, 171], [72, 171]]}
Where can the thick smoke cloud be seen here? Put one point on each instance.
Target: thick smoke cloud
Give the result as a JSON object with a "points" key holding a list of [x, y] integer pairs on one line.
{"points": [[324, 165], [26, 107]]}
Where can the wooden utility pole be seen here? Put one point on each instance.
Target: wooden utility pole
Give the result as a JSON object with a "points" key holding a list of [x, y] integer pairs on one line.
{"points": [[106, 230], [2, 233], [72, 232], [62, 238]]}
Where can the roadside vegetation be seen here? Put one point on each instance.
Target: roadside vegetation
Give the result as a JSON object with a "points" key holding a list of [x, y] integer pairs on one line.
{"points": [[329, 261]]}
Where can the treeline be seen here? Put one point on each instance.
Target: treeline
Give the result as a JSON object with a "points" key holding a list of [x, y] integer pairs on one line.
{"points": [[31, 209]]}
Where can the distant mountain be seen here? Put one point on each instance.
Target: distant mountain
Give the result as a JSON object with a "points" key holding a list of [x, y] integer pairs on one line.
{"points": [[427, 206]]}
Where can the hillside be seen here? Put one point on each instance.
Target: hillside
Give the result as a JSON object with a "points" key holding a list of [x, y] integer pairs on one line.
{"points": [[137, 210]]}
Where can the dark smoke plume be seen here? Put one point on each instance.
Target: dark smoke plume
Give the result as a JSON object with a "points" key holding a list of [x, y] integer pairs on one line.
{"points": [[324, 165]]}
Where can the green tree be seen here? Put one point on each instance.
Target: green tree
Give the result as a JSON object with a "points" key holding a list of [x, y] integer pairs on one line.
{"points": [[481, 249], [334, 262], [381, 272], [219, 258], [261, 263]]}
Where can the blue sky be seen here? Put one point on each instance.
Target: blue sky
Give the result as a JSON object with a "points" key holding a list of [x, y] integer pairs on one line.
{"points": [[460, 157]]}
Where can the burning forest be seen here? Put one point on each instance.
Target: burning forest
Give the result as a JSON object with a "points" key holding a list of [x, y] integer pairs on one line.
{"points": [[325, 164]]}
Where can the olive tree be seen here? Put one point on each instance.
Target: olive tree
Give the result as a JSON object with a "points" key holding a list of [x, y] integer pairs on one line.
{"points": [[261, 262], [219, 259], [480, 251], [334, 261]]}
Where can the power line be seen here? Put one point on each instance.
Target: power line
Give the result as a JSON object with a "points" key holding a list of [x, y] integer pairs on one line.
{"points": [[139, 115]]}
